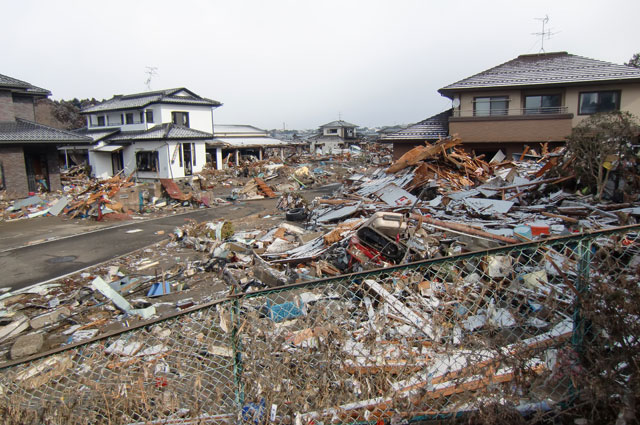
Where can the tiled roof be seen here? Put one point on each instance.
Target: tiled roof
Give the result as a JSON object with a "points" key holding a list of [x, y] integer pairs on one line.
{"points": [[139, 100], [231, 129], [545, 69], [13, 83], [431, 128], [20, 130], [96, 135], [322, 138], [339, 123], [161, 132]]}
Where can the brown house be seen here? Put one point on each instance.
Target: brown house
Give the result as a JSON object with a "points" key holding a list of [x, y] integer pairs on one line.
{"points": [[28, 153], [537, 98]]}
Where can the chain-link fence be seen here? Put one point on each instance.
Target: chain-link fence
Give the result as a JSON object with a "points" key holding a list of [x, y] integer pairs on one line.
{"points": [[520, 327]]}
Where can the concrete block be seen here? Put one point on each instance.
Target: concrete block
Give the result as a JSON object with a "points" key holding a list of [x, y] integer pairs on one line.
{"points": [[26, 345], [49, 318]]}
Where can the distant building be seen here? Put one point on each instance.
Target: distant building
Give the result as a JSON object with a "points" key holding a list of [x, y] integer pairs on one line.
{"points": [[28, 153], [237, 141], [158, 134], [333, 135]]}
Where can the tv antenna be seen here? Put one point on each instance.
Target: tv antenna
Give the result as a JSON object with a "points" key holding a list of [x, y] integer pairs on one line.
{"points": [[543, 33], [151, 72]]}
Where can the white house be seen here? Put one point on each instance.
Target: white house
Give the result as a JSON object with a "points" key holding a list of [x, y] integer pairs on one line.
{"points": [[333, 135], [159, 134]]}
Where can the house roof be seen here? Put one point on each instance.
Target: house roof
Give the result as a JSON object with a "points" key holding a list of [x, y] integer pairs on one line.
{"points": [[139, 100], [161, 132], [231, 129], [7, 82], [249, 142], [20, 131], [546, 69], [96, 135], [432, 128], [338, 123]]}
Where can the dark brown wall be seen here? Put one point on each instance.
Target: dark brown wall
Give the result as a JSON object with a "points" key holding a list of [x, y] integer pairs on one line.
{"points": [[400, 148], [6, 106], [523, 130], [54, 169], [15, 172], [24, 108]]}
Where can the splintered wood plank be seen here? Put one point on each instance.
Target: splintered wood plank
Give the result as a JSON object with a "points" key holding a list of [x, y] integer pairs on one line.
{"points": [[264, 188]]}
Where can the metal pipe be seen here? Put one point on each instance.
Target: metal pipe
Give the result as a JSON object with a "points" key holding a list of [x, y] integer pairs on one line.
{"points": [[463, 228]]}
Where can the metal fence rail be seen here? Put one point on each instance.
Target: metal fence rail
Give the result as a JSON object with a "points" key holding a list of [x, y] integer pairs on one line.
{"points": [[425, 340]]}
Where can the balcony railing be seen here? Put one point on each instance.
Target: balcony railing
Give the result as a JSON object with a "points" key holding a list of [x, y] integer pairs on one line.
{"points": [[116, 123], [544, 110]]}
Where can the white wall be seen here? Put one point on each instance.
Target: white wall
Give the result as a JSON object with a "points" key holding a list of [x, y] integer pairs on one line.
{"points": [[199, 116], [339, 132], [166, 153], [101, 165]]}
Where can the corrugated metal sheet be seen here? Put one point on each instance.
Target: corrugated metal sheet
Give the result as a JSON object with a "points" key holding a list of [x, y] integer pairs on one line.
{"points": [[396, 196]]}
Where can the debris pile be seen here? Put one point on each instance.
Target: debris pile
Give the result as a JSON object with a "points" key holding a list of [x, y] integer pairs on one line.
{"points": [[427, 338], [394, 344], [434, 201]]}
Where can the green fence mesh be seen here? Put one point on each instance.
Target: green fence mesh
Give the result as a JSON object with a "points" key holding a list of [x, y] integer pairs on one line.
{"points": [[521, 327]]}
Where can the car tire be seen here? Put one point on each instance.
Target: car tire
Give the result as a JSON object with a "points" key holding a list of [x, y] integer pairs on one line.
{"points": [[296, 214]]}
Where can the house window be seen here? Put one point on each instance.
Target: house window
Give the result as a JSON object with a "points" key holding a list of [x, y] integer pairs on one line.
{"points": [[101, 121], [486, 106], [599, 101], [129, 118], [180, 118], [542, 104], [332, 131], [141, 117], [147, 160], [149, 115]]}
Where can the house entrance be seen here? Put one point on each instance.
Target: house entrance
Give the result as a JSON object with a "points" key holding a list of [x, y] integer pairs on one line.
{"points": [[117, 162], [187, 155], [37, 171]]}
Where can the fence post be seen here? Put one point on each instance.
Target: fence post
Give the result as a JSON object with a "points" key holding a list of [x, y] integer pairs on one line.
{"points": [[583, 250], [237, 354]]}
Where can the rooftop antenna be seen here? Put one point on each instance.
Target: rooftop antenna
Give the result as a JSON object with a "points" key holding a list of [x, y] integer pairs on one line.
{"points": [[542, 34], [339, 116], [151, 72]]}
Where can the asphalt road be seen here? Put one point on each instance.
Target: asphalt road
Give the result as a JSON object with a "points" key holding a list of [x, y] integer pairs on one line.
{"points": [[34, 252], [27, 265]]}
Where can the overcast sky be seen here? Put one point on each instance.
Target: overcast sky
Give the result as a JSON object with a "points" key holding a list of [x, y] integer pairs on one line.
{"points": [[297, 63]]}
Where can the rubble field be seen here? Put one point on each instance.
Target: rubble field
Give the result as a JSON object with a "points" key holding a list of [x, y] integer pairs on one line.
{"points": [[424, 286]]}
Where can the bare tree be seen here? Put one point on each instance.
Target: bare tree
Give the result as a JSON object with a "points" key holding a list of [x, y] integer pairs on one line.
{"points": [[600, 144], [634, 61]]}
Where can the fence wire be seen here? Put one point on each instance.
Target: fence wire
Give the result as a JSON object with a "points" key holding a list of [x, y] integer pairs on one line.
{"points": [[526, 327]]}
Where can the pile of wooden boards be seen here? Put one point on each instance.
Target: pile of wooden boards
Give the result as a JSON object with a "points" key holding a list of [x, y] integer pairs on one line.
{"points": [[97, 194], [457, 167]]}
